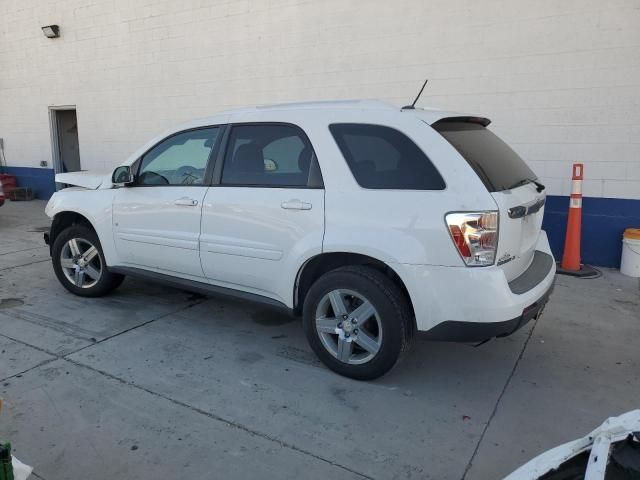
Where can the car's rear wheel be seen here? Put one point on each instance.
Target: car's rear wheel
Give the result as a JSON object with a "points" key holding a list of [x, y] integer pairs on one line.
{"points": [[79, 263], [357, 321]]}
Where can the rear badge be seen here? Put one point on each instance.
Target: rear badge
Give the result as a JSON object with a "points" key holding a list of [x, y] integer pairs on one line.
{"points": [[506, 258]]}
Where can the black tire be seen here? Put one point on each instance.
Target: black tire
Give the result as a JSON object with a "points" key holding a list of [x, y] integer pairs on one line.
{"points": [[107, 281], [393, 312]]}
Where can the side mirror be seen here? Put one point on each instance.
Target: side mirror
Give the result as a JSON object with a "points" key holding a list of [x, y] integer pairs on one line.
{"points": [[122, 175]]}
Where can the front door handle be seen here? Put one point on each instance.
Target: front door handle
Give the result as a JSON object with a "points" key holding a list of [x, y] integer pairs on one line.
{"points": [[295, 204], [186, 202]]}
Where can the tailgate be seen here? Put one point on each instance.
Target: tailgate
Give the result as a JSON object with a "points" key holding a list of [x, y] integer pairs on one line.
{"points": [[510, 182], [521, 211]]}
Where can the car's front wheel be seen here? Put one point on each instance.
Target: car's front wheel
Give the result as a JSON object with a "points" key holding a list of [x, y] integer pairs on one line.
{"points": [[79, 263], [357, 321]]}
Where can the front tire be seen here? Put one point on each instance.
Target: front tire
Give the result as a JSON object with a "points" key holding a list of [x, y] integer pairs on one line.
{"points": [[79, 263], [357, 321]]}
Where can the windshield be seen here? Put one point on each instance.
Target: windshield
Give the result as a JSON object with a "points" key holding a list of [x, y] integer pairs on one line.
{"points": [[497, 165]]}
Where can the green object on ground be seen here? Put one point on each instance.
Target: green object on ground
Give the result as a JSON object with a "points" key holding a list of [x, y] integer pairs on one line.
{"points": [[6, 467]]}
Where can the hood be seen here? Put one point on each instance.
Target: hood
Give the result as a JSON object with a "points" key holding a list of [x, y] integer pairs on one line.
{"points": [[598, 443], [90, 180]]}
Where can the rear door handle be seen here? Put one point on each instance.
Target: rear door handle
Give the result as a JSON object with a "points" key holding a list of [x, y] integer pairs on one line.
{"points": [[295, 204], [186, 201]]}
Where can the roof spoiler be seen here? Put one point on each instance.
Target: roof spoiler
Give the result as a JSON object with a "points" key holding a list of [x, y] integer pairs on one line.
{"points": [[479, 120]]}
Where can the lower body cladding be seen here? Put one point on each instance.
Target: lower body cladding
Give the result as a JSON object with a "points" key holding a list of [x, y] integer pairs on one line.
{"points": [[466, 304]]}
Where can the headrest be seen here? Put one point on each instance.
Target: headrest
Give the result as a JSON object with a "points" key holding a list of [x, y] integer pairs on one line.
{"points": [[249, 158]]}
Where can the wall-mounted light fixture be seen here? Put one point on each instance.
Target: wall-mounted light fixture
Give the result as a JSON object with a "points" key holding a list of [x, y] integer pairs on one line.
{"points": [[51, 31]]}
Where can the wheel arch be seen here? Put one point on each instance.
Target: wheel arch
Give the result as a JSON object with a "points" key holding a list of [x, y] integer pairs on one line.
{"points": [[322, 263], [64, 219]]}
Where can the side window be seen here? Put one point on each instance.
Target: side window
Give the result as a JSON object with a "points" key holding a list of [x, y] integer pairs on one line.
{"points": [[178, 160], [384, 158], [267, 155]]}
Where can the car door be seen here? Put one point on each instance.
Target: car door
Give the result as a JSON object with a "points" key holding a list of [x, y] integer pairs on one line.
{"points": [[266, 211], [156, 220]]}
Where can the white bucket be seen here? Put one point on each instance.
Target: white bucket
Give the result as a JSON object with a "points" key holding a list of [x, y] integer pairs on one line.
{"points": [[630, 263]]}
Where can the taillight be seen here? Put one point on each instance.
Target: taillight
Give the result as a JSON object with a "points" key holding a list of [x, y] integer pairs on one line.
{"points": [[475, 235]]}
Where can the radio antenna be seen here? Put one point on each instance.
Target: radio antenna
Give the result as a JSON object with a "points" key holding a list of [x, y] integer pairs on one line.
{"points": [[413, 105]]}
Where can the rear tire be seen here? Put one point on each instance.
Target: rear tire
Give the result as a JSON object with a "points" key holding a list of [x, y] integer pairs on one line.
{"points": [[79, 263], [357, 321]]}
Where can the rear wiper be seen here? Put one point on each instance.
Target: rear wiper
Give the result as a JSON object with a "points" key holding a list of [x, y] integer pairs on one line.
{"points": [[539, 187], [519, 183]]}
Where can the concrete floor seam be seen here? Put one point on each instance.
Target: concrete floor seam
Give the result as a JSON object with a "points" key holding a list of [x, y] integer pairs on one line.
{"points": [[57, 356], [19, 251], [218, 418], [45, 322], [40, 349], [24, 264], [495, 408], [20, 374], [143, 324]]}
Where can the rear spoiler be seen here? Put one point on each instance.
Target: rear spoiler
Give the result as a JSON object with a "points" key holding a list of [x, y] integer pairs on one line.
{"points": [[469, 119]]}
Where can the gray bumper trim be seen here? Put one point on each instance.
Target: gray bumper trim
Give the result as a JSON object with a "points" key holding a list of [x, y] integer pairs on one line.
{"points": [[532, 276]]}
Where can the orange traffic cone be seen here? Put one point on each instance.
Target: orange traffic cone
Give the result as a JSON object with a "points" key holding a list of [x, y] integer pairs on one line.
{"points": [[570, 264], [571, 257]]}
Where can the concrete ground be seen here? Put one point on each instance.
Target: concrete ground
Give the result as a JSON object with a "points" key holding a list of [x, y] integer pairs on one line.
{"points": [[152, 382]]}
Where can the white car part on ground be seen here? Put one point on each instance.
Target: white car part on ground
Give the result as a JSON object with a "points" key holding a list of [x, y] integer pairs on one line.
{"points": [[598, 443], [20, 470]]}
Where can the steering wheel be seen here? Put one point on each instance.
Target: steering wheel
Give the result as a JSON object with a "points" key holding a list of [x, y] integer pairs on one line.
{"points": [[186, 175]]}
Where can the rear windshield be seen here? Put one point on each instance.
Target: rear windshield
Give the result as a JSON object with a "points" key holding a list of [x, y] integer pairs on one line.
{"points": [[497, 165]]}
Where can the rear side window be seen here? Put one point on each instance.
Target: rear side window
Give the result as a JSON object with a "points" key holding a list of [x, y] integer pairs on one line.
{"points": [[497, 165], [383, 158], [268, 155]]}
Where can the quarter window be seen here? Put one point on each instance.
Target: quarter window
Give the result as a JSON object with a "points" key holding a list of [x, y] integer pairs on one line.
{"points": [[267, 155], [179, 160], [384, 158]]}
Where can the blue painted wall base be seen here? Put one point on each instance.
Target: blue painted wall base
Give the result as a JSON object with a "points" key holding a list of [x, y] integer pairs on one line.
{"points": [[603, 222], [41, 180], [603, 219]]}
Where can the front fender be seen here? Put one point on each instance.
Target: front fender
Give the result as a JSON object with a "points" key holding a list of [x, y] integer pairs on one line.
{"points": [[95, 206]]}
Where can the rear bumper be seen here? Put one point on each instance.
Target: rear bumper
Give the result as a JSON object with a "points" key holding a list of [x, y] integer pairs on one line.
{"points": [[474, 304], [452, 331]]}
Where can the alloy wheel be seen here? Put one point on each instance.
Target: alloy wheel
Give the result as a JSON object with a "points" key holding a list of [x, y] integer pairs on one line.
{"points": [[349, 326], [81, 263]]}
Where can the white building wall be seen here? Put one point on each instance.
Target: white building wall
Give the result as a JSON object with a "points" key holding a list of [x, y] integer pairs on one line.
{"points": [[559, 79]]}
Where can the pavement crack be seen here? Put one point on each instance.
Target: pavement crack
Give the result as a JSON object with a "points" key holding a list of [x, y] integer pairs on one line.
{"points": [[24, 264], [23, 250], [57, 325], [26, 344], [212, 416], [495, 408], [19, 374], [140, 325], [59, 356]]}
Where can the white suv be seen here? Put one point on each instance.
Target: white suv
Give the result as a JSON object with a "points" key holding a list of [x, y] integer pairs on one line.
{"points": [[372, 222]]}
